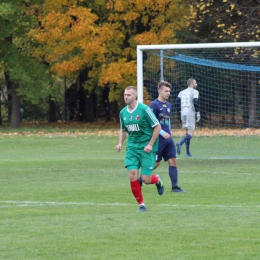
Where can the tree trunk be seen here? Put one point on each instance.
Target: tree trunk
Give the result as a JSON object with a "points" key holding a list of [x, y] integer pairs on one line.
{"points": [[115, 110], [52, 111], [89, 107], [252, 121], [9, 97], [15, 114], [1, 121]]}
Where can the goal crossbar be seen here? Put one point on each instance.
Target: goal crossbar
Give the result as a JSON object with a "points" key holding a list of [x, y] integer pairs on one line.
{"points": [[141, 48]]}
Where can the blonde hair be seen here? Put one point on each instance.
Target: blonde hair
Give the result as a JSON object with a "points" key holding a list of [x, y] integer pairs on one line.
{"points": [[190, 81], [132, 88]]}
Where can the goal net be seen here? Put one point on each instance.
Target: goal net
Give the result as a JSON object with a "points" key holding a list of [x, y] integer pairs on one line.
{"points": [[228, 78]]}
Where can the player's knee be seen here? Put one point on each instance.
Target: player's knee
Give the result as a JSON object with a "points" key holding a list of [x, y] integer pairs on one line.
{"points": [[172, 162], [189, 135], [133, 175], [146, 179]]}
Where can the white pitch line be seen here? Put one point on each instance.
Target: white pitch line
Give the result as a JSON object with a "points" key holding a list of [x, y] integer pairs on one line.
{"points": [[215, 206], [9, 203], [55, 203]]}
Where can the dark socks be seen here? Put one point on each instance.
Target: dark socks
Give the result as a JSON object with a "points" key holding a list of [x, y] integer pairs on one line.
{"points": [[183, 140], [188, 137], [173, 173]]}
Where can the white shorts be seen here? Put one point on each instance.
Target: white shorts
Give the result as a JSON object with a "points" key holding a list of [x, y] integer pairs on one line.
{"points": [[188, 122]]}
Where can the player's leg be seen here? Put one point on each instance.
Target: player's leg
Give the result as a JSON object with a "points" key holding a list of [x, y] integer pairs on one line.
{"points": [[169, 155], [132, 163], [183, 141], [147, 164], [140, 177], [190, 132], [158, 159], [188, 139], [154, 179], [184, 126], [173, 173], [136, 187]]}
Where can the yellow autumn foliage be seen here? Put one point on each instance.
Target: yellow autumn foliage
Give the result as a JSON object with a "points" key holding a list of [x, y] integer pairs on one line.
{"points": [[102, 36]]}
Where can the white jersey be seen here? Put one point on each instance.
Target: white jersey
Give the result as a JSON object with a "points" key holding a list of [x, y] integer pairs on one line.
{"points": [[187, 96]]}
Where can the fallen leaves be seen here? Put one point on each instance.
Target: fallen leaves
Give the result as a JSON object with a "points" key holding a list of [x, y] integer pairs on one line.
{"points": [[101, 128]]}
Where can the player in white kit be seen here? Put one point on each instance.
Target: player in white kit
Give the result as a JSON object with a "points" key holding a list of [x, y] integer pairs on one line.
{"points": [[187, 104]]}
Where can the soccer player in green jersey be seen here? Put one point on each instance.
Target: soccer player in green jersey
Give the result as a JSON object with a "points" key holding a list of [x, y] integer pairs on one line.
{"points": [[139, 122]]}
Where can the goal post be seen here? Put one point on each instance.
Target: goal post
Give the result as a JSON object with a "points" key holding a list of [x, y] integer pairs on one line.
{"points": [[228, 76]]}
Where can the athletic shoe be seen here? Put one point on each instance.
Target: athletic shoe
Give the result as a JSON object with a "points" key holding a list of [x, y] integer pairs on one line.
{"points": [[177, 189], [188, 155], [159, 185], [178, 146], [142, 208]]}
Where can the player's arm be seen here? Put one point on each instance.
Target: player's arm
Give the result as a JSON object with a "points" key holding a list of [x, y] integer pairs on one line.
{"points": [[196, 101], [177, 105], [156, 130], [164, 134], [155, 110], [122, 137], [154, 123], [196, 106]]}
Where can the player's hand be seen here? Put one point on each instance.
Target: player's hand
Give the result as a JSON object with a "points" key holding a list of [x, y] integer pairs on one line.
{"points": [[148, 148], [166, 136], [197, 116], [119, 147]]}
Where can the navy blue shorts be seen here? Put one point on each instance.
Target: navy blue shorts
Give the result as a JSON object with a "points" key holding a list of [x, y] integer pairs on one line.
{"points": [[166, 150]]}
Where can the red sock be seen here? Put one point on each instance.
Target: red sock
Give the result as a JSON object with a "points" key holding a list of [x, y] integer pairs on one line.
{"points": [[137, 191], [154, 179]]}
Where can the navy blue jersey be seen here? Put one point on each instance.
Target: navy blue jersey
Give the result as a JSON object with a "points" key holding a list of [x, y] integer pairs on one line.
{"points": [[162, 111]]}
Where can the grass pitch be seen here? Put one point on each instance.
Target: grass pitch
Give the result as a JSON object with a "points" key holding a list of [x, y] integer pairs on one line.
{"points": [[68, 197]]}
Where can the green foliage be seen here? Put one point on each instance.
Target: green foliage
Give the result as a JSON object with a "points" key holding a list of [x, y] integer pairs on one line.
{"points": [[33, 76], [7, 8]]}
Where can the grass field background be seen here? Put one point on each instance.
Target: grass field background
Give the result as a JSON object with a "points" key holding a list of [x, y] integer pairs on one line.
{"points": [[68, 197]]}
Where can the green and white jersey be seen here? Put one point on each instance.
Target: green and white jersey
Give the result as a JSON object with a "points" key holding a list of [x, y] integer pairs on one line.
{"points": [[139, 125], [187, 96]]}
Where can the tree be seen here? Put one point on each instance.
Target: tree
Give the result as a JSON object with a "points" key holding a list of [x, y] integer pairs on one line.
{"points": [[25, 74], [137, 22], [98, 38]]}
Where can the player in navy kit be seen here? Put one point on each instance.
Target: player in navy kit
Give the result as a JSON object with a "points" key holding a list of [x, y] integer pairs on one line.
{"points": [[166, 150]]}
